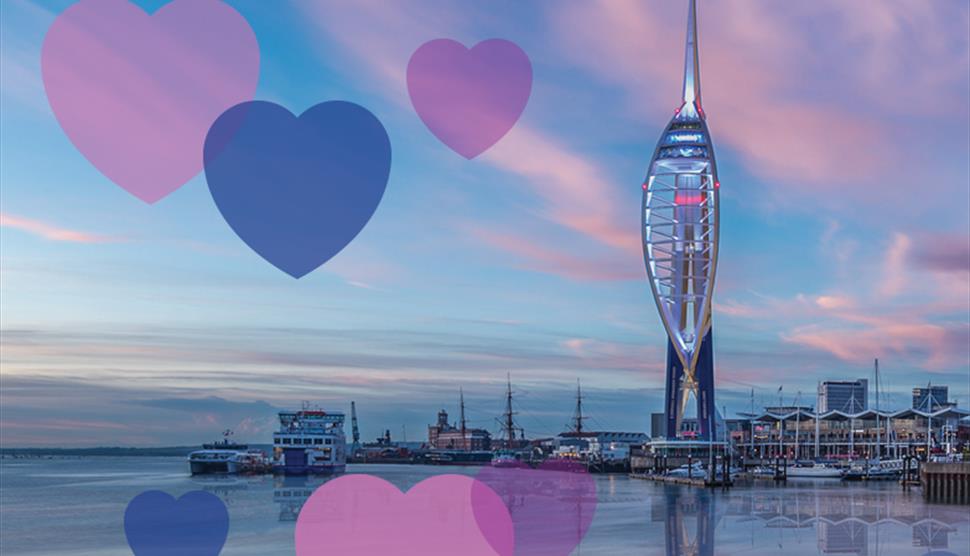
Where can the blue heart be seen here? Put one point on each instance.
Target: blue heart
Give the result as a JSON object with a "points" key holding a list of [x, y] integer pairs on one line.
{"points": [[156, 524], [297, 190]]}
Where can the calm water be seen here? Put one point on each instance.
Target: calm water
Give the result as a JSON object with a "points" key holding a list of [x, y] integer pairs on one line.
{"points": [[76, 506]]}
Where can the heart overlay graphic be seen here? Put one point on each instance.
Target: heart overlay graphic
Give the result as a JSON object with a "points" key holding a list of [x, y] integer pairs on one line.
{"points": [[363, 514], [297, 190], [136, 93], [156, 524], [469, 99], [551, 506]]}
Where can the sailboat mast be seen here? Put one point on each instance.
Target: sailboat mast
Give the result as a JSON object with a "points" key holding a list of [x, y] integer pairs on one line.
{"points": [[878, 432], [818, 403]]}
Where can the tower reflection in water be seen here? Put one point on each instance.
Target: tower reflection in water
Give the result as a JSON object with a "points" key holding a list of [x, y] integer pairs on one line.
{"points": [[849, 523]]}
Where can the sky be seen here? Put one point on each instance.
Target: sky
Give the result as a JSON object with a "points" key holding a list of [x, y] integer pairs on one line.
{"points": [[842, 132]]}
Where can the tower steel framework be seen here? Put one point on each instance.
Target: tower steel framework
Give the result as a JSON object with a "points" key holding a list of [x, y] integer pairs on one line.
{"points": [[680, 212]]}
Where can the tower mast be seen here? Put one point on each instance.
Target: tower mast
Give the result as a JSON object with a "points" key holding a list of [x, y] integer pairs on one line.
{"points": [[461, 405]]}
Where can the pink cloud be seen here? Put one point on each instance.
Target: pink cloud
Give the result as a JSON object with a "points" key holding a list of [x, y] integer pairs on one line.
{"points": [[895, 275], [933, 344], [797, 107], [50, 231], [539, 257], [834, 302], [575, 192]]}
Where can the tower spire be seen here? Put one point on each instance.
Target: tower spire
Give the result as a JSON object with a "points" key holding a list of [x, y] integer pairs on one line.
{"points": [[692, 69]]}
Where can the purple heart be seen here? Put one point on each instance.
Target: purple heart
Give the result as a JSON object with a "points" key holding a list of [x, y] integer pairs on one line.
{"points": [[136, 93], [552, 506], [297, 190], [156, 524], [469, 99]]}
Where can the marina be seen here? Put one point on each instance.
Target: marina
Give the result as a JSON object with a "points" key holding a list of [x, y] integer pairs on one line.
{"points": [[799, 518]]}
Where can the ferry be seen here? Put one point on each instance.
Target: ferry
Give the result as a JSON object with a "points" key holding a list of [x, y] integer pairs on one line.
{"points": [[310, 441], [227, 457]]}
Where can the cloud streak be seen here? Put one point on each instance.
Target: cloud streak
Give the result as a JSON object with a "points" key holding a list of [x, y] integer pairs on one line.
{"points": [[52, 232]]}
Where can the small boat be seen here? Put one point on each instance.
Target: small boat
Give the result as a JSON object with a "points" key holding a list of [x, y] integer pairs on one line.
{"points": [[815, 470], [885, 470], [695, 470], [505, 459], [459, 457], [250, 462]]}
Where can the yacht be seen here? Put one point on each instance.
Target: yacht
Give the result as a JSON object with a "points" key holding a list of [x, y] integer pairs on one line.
{"points": [[815, 470], [310, 441], [880, 470], [695, 470]]}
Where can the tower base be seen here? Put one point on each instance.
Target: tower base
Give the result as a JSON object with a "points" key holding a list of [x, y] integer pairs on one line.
{"points": [[676, 397]]}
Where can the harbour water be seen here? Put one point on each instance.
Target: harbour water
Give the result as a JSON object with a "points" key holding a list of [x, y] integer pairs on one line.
{"points": [[75, 506]]}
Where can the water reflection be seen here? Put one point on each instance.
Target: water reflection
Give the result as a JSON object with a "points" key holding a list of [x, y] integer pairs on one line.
{"points": [[292, 491], [847, 521], [228, 487], [630, 515]]}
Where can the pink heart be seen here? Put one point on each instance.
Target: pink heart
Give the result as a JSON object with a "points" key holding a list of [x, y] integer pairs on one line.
{"points": [[469, 99], [551, 507], [364, 515], [136, 93]]}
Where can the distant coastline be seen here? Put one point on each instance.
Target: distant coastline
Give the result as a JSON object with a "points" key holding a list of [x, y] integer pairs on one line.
{"points": [[116, 451]]}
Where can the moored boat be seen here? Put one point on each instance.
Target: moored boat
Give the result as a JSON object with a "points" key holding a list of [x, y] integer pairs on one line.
{"points": [[227, 457], [815, 471], [505, 459], [884, 470]]}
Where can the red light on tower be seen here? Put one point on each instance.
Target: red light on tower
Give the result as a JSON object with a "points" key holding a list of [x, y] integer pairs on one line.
{"points": [[644, 187], [717, 185]]}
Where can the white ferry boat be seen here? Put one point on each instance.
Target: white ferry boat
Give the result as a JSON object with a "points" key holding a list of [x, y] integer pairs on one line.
{"points": [[227, 457], [310, 441]]}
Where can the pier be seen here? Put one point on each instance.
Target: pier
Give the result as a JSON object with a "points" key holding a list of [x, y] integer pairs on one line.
{"points": [[948, 483]]}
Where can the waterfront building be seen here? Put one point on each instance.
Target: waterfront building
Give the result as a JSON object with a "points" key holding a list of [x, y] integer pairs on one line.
{"points": [[445, 436], [679, 230], [804, 434], [850, 396], [930, 398]]}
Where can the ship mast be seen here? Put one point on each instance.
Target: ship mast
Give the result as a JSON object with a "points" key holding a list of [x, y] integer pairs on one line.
{"points": [[509, 425], [461, 405], [578, 413]]}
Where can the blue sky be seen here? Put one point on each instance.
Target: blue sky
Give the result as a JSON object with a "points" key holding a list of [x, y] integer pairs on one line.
{"points": [[842, 138]]}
